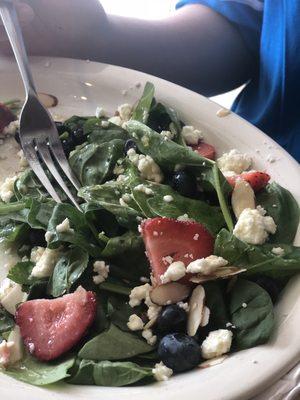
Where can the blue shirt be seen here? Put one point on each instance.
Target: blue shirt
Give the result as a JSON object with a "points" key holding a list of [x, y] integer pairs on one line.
{"points": [[271, 30]]}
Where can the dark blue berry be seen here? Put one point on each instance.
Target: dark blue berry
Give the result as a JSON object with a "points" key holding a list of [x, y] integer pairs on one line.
{"points": [[184, 183], [37, 237], [171, 319], [61, 128], [129, 144], [78, 136], [68, 145], [179, 352], [270, 286]]}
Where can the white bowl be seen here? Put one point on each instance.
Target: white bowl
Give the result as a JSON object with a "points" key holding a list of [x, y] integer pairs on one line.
{"points": [[81, 86]]}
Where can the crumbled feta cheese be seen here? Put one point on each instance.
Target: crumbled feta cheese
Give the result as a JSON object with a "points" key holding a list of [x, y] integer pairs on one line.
{"points": [[161, 372], [184, 306], [125, 111], [135, 323], [144, 279], [244, 305], [36, 253], [99, 112], [206, 266], [144, 189], [184, 218], [138, 294], [234, 161], [118, 170], [153, 312], [145, 140], [11, 128], [217, 343], [11, 295], [45, 264], [146, 165], [168, 198], [148, 335], [102, 271], [191, 135], [278, 251], [167, 135], [116, 120], [64, 227], [16, 349], [253, 226], [23, 163], [7, 189], [174, 272]]}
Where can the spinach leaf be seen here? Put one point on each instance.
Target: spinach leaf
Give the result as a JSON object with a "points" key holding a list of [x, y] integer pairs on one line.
{"points": [[127, 255], [6, 321], [13, 232], [94, 163], [113, 286], [214, 300], [122, 311], [21, 273], [80, 237], [281, 205], [75, 122], [102, 220], [255, 323], [67, 271], [258, 260], [166, 153], [107, 373], [114, 344], [97, 134], [141, 111], [39, 373], [27, 185]]}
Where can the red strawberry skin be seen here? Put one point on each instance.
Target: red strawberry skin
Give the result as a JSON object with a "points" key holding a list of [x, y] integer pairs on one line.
{"points": [[182, 240], [205, 150], [50, 328], [258, 180], [6, 116]]}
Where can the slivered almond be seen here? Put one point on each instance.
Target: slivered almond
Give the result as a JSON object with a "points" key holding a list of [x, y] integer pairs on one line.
{"points": [[196, 305], [169, 293], [242, 197], [205, 316], [224, 272], [48, 100], [212, 362]]}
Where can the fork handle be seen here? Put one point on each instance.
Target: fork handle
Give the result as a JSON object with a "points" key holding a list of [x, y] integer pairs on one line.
{"points": [[11, 23]]}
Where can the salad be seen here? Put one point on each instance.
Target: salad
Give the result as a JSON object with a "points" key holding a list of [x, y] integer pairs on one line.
{"points": [[174, 261]]}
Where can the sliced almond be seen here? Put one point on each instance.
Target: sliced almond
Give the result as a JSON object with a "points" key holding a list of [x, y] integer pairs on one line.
{"points": [[212, 362], [224, 272], [205, 316], [242, 197], [196, 305], [48, 100], [169, 293]]}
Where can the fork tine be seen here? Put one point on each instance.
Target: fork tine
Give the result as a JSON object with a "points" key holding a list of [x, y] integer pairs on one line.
{"points": [[46, 156], [59, 154], [33, 161]]}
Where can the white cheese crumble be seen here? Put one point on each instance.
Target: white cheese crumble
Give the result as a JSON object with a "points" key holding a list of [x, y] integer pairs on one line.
{"points": [[11, 295], [234, 161], [138, 294], [167, 135], [125, 111], [184, 306], [102, 271], [217, 343], [99, 112], [64, 227], [161, 372], [116, 120], [174, 272], [278, 251], [146, 165], [23, 163], [148, 335], [206, 266], [184, 218], [191, 135], [7, 189], [11, 128], [45, 262], [244, 305], [168, 198], [135, 323], [253, 226], [118, 169], [144, 189]]}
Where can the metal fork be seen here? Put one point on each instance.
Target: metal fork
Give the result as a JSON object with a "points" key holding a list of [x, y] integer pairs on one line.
{"points": [[38, 133]]}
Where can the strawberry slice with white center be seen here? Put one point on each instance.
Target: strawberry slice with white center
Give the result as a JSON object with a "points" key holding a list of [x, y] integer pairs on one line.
{"points": [[168, 240], [50, 328], [257, 180], [205, 150], [6, 116]]}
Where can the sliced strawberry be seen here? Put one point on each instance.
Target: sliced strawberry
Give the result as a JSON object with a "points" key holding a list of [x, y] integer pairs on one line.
{"points": [[205, 150], [168, 240], [258, 180], [6, 116], [50, 328]]}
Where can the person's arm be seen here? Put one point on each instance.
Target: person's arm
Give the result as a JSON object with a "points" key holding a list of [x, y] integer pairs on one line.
{"points": [[195, 47]]}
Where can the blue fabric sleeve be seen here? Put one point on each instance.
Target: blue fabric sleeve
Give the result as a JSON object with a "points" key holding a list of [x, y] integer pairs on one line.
{"points": [[246, 15]]}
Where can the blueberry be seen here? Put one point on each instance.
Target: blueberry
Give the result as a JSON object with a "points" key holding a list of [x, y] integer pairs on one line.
{"points": [[37, 237], [270, 286], [129, 144], [68, 145], [61, 128], [179, 352], [184, 183], [171, 319], [78, 136]]}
